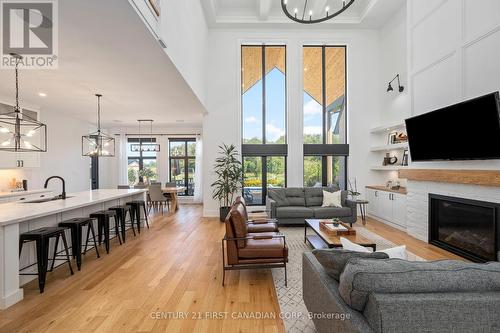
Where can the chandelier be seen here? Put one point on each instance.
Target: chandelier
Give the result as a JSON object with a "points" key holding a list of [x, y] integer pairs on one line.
{"points": [[145, 147], [18, 131], [305, 11], [98, 144]]}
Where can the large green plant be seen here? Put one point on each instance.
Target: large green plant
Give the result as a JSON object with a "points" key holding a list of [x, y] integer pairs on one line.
{"points": [[229, 174], [147, 173]]}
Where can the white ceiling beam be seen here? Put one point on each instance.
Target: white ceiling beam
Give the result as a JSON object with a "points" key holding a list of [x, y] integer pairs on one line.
{"points": [[263, 9], [210, 9]]}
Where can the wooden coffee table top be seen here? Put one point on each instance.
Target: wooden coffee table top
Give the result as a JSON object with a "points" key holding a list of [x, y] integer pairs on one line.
{"points": [[334, 241]]}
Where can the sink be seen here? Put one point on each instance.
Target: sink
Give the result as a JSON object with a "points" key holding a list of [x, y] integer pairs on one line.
{"points": [[44, 200]]}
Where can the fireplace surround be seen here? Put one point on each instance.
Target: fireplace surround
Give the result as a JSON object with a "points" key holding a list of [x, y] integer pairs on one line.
{"points": [[469, 228]]}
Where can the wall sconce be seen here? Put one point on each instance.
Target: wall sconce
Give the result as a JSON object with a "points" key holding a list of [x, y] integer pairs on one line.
{"points": [[401, 88]]}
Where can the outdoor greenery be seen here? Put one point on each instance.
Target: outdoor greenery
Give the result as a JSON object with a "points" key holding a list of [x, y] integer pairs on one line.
{"points": [[147, 174], [229, 174]]}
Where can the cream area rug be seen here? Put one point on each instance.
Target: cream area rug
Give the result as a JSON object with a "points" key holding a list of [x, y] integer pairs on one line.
{"points": [[293, 309]]}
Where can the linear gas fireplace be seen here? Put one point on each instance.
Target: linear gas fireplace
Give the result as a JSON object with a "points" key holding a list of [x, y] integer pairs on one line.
{"points": [[469, 228]]}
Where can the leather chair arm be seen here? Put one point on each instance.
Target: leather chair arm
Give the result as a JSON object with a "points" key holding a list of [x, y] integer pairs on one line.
{"points": [[254, 237]]}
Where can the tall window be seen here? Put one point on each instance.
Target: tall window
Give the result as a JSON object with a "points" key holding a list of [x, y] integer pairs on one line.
{"points": [[140, 161], [263, 98], [325, 122], [182, 156]]}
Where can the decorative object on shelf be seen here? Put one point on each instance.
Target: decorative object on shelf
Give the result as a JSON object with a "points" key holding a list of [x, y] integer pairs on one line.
{"points": [[389, 160], [18, 131], [353, 190], [400, 87], [229, 173], [404, 160], [98, 144], [391, 138], [400, 138], [145, 147], [308, 16], [396, 187]]}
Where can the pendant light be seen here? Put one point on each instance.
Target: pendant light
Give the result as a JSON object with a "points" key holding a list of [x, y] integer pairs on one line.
{"points": [[18, 131], [98, 144], [145, 147], [304, 10]]}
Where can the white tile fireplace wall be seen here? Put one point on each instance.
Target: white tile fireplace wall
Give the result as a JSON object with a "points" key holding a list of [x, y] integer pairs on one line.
{"points": [[417, 222]]}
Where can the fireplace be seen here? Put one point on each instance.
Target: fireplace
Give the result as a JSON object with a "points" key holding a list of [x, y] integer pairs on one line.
{"points": [[468, 228]]}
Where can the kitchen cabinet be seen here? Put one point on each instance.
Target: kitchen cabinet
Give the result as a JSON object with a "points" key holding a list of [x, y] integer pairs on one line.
{"points": [[387, 207]]}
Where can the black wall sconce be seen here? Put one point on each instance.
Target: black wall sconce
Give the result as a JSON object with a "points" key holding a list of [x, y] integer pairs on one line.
{"points": [[401, 88]]}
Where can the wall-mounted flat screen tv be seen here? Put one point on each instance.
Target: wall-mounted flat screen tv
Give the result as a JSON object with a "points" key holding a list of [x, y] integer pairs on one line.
{"points": [[465, 131]]}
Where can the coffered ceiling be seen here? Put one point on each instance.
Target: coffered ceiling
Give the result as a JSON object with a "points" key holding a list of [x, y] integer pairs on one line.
{"points": [[265, 13]]}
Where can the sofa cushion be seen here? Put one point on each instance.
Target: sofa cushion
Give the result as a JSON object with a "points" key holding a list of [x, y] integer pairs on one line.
{"points": [[334, 260], [279, 196], [314, 195], [362, 277], [329, 212], [294, 212], [295, 196]]}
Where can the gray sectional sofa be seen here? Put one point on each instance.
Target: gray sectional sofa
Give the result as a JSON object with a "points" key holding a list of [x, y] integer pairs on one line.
{"points": [[292, 205], [393, 295]]}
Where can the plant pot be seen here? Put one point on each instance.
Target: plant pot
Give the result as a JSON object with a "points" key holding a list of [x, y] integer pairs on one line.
{"points": [[223, 211]]}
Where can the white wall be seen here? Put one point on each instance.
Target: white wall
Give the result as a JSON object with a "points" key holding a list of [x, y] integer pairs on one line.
{"points": [[222, 123], [393, 44], [184, 30], [454, 49], [63, 157]]}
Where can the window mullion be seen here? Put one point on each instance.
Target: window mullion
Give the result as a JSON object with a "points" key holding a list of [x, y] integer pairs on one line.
{"points": [[264, 140]]}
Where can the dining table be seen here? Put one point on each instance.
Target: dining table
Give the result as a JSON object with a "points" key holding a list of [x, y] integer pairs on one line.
{"points": [[173, 193]]}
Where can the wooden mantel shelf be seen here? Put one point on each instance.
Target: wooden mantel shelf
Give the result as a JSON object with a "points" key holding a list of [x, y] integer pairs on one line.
{"points": [[471, 177]]}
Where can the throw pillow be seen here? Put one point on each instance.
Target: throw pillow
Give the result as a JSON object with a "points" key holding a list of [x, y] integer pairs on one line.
{"points": [[348, 245], [332, 199], [398, 252], [334, 260]]}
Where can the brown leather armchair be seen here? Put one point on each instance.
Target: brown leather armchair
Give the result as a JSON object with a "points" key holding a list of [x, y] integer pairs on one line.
{"points": [[250, 250], [257, 225]]}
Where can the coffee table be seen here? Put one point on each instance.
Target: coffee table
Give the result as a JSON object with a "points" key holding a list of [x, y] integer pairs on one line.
{"points": [[322, 240]]}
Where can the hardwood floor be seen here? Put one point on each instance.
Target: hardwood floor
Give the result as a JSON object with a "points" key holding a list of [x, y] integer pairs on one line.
{"points": [[172, 268]]}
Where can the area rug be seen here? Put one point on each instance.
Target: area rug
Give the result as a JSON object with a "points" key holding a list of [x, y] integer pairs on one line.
{"points": [[293, 310]]}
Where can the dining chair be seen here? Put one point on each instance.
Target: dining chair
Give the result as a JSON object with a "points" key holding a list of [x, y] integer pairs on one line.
{"points": [[123, 187], [156, 196], [169, 195]]}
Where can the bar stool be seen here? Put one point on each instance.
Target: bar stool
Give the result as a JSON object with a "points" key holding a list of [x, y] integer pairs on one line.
{"points": [[136, 210], [103, 221], [121, 212], [42, 238], [76, 225]]}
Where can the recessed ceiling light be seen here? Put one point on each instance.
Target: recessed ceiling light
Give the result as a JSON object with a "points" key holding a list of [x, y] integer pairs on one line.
{"points": [[42, 94]]}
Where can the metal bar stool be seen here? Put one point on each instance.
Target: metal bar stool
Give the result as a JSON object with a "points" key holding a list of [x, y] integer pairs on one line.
{"points": [[121, 212], [103, 220], [42, 238], [76, 226], [136, 210]]}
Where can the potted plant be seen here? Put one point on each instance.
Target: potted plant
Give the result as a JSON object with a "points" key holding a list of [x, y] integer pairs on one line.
{"points": [[229, 174], [353, 190], [147, 174]]}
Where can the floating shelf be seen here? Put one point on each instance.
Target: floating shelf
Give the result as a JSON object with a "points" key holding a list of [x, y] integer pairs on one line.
{"points": [[395, 146], [387, 167], [387, 128]]}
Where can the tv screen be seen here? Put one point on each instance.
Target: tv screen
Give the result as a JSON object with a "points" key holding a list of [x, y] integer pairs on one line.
{"points": [[464, 131]]}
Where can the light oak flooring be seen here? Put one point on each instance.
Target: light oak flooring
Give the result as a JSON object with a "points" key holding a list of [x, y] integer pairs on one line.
{"points": [[171, 268]]}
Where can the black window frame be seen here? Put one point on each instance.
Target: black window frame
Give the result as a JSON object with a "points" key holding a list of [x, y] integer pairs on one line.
{"points": [[325, 150], [140, 157], [186, 159], [264, 150]]}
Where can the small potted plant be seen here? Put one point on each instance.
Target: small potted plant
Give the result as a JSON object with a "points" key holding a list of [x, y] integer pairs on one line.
{"points": [[229, 174], [353, 190]]}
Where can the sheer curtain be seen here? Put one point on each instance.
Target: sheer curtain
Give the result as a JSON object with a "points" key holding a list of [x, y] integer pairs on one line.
{"points": [[198, 186]]}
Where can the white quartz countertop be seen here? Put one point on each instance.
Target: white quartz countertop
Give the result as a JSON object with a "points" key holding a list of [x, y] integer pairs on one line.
{"points": [[22, 193], [15, 212]]}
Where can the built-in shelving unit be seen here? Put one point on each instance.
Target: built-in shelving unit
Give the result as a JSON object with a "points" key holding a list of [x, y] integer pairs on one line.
{"points": [[382, 146]]}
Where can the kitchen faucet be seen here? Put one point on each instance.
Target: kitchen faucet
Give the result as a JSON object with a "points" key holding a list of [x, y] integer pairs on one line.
{"points": [[63, 194]]}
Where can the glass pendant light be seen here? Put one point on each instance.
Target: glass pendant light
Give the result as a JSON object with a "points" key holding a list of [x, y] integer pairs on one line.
{"points": [[18, 131], [145, 147], [98, 144]]}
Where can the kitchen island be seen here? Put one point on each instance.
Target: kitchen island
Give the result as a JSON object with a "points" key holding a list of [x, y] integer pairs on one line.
{"points": [[19, 217]]}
